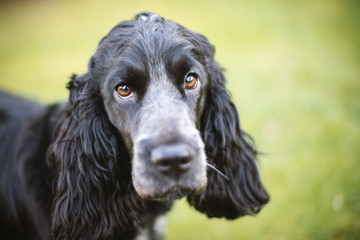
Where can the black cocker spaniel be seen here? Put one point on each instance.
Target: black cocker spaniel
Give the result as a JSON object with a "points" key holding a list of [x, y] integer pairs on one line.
{"points": [[150, 122]]}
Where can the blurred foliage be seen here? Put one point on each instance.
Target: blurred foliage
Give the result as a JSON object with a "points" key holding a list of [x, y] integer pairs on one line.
{"points": [[293, 71]]}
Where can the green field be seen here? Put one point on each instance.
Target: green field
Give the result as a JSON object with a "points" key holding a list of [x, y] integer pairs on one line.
{"points": [[293, 68]]}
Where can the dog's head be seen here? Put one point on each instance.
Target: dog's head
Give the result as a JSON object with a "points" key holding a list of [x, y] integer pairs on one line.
{"points": [[166, 96], [154, 90]]}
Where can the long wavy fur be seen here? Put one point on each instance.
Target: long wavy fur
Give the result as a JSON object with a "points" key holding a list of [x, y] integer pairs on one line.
{"points": [[93, 186], [229, 149]]}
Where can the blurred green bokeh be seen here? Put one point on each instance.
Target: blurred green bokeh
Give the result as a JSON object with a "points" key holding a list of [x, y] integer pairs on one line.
{"points": [[293, 68]]}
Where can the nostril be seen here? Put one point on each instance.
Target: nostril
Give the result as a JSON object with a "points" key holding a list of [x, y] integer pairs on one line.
{"points": [[184, 161], [172, 159], [175, 165], [162, 162]]}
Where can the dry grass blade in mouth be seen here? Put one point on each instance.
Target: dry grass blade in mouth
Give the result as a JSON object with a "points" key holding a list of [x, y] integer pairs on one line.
{"points": [[218, 171]]}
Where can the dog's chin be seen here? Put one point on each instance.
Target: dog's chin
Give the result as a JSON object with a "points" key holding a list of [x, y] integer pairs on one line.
{"points": [[171, 194]]}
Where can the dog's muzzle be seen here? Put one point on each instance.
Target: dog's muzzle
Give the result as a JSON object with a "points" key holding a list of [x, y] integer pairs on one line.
{"points": [[169, 159]]}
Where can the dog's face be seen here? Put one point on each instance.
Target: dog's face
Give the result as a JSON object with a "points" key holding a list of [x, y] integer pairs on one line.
{"points": [[154, 100], [153, 91]]}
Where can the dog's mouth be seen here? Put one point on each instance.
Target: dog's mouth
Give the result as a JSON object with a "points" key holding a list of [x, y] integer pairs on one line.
{"points": [[173, 193]]}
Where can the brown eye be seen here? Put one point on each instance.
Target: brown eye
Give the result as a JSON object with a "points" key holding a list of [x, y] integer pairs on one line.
{"points": [[123, 90], [191, 80]]}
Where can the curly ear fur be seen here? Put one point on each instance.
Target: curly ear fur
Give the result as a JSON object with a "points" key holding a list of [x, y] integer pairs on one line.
{"points": [[230, 150], [92, 190]]}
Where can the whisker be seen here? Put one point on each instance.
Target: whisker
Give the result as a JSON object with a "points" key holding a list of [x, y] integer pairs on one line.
{"points": [[218, 171]]}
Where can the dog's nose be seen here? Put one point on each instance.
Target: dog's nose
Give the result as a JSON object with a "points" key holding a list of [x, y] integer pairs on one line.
{"points": [[172, 159]]}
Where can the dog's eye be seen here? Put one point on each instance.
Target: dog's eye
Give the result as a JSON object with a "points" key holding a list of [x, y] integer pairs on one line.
{"points": [[191, 80], [123, 90]]}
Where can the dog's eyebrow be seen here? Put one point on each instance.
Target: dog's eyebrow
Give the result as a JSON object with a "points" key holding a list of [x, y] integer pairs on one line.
{"points": [[185, 51], [198, 55], [181, 51], [128, 72]]}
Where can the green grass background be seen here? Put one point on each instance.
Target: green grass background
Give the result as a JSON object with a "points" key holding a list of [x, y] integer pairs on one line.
{"points": [[293, 68]]}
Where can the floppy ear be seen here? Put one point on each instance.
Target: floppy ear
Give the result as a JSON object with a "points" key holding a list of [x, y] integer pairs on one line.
{"points": [[231, 151], [92, 169]]}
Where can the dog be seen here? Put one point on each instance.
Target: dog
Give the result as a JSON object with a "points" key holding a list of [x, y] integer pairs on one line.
{"points": [[149, 123]]}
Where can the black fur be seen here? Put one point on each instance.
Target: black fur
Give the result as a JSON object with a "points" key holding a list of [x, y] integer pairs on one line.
{"points": [[104, 166]]}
